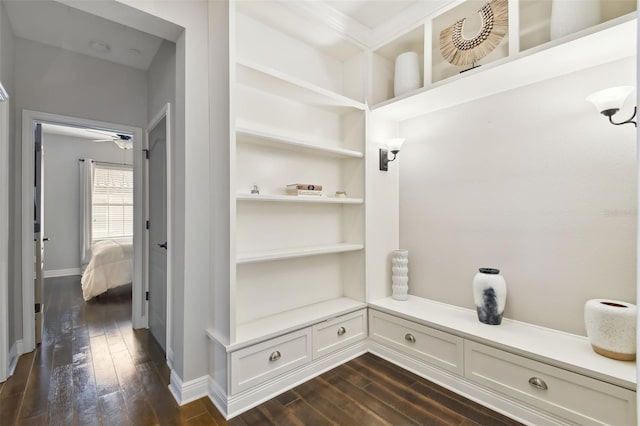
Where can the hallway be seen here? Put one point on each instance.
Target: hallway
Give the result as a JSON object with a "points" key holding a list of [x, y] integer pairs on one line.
{"points": [[92, 368]]}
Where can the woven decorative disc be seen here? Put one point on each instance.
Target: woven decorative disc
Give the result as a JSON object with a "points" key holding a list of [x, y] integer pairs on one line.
{"points": [[458, 50]]}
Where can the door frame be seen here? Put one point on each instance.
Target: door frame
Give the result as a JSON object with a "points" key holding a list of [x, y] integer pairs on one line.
{"points": [[165, 112], [29, 118], [4, 239]]}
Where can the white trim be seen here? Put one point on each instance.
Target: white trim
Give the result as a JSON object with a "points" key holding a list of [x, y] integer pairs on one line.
{"points": [[138, 318], [4, 240], [185, 393], [165, 112], [53, 273], [218, 397], [17, 349]]}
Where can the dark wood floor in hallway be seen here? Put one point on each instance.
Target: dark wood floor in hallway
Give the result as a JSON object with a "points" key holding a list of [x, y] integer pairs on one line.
{"points": [[92, 368]]}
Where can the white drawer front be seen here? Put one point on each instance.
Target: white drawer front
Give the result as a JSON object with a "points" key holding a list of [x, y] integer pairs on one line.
{"points": [[575, 397], [339, 332], [256, 364], [441, 349]]}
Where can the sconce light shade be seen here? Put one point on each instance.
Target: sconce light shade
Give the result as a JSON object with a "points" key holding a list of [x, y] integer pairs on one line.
{"points": [[393, 146], [609, 101]]}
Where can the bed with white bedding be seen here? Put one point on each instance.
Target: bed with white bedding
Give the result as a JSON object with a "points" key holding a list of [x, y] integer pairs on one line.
{"points": [[110, 266]]}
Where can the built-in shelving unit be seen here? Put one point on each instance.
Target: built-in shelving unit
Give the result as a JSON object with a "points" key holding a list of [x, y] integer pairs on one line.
{"points": [[298, 116], [526, 55], [300, 112]]}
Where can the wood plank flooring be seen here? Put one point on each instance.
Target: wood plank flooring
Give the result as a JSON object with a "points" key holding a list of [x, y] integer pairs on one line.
{"points": [[92, 368]]}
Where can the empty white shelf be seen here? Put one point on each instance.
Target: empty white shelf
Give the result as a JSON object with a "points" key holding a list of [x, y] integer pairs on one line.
{"points": [[290, 253], [274, 81], [254, 134]]}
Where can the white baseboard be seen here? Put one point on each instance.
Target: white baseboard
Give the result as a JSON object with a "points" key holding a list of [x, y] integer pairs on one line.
{"points": [[62, 272], [218, 397], [186, 392], [483, 396], [17, 349]]}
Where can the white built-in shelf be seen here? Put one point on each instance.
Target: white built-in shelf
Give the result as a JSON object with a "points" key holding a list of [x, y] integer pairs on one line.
{"points": [[290, 253], [601, 44], [255, 134], [273, 81], [564, 350], [288, 321], [298, 199]]}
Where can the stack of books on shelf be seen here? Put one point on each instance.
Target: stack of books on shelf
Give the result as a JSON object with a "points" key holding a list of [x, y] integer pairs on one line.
{"points": [[304, 189]]}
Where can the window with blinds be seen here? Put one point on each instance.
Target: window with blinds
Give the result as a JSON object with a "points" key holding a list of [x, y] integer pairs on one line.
{"points": [[112, 201]]}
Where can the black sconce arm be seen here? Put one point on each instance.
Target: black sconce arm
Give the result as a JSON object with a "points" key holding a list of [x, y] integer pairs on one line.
{"points": [[628, 121]]}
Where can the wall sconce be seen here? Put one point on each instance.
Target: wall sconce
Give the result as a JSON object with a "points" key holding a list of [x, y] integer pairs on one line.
{"points": [[609, 101], [393, 145]]}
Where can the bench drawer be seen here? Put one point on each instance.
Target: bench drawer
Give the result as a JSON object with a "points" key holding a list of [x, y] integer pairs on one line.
{"points": [[259, 363], [569, 395], [339, 332], [433, 346]]}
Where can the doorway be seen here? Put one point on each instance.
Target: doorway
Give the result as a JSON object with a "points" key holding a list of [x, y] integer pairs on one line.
{"points": [[29, 121], [158, 173]]}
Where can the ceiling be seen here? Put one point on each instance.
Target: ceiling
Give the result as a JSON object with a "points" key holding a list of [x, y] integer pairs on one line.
{"points": [[56, 24]]}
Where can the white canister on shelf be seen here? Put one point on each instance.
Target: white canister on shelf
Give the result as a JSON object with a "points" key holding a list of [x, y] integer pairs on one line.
{"points": [[569, 16], [611, 328], [400, 274], [407, 73], [489, 295]]}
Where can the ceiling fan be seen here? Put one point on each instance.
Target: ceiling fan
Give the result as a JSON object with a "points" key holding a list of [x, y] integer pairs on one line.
{"points": [[123, 141]]}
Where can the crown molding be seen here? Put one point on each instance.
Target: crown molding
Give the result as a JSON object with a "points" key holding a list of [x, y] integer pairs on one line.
{"points": [[334, 19], [407, 20]]}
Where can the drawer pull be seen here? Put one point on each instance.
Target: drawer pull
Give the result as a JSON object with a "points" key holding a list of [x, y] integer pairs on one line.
{"points": [[409, 338], [341, 331], [538, 383], [275, 356]]}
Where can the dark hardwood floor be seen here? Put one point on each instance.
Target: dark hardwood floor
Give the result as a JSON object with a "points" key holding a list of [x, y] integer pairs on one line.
{"points": [[92, 368]]}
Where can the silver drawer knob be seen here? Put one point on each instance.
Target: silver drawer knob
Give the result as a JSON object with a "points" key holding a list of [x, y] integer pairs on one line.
{"points": [[538, 383], [275, 356], [409, 338], [341, 331]]}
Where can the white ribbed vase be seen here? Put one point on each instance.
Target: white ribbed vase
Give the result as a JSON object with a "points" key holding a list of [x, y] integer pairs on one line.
{"points": [[569, 16], [611, 327], [407, 73], [400, 274]]}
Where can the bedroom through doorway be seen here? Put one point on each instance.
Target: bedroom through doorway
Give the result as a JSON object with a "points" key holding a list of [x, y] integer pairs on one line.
{"points": [[88, 211]]}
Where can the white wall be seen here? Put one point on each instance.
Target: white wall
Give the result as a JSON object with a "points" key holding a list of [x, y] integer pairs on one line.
{"points": [[53, 80], [191, 281], [62, 195], [534, 182], [7, 78], [161, 87]]}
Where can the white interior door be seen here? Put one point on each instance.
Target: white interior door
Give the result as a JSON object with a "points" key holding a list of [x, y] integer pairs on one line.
{"points": [[158, 231]]}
